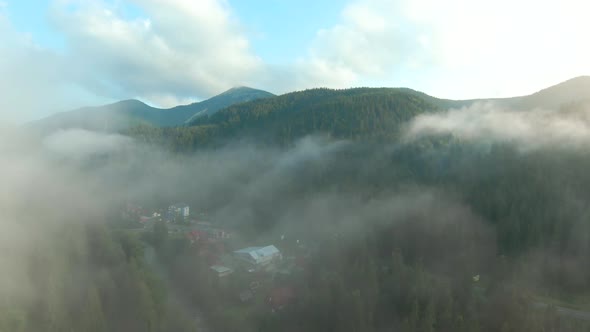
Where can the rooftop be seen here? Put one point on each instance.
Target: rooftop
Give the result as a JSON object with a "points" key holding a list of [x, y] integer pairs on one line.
{"points": [[259, 253], [220, 268]]}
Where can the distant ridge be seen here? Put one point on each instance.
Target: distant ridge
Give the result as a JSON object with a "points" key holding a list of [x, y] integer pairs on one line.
{"points": [[356, 113], [572, 90], [126, 113], [260, 109], [228, 98]]}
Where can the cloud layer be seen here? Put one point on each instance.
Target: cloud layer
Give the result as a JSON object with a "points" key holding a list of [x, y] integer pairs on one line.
{"points": [[171, 52], [531, 129], [176, 48], [455, 49]]}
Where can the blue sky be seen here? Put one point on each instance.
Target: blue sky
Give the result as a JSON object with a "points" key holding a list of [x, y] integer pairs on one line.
{"points": [[62, 54], [279, 29]]}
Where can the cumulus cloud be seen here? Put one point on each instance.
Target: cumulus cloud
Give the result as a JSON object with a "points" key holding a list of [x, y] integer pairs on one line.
{"points": [[369, 42], [32, 79], [530, 129], [34, 86], [453, 49], [166, 53], [170, 51], [175, 52]]}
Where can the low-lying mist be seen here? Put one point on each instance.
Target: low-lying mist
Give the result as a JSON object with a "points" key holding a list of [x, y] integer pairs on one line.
{"points": [[450, 208], [564, 128]]}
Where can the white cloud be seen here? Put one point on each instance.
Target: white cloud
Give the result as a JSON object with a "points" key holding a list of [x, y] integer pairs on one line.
{"points": [[368, 41], [455, 48], [80, 144], [530, 129], [365, 45], [174, 50], [171, 52], [34, 80]]}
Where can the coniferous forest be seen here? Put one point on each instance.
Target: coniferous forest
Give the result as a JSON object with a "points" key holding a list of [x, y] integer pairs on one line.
{"points": [[391, 231]]}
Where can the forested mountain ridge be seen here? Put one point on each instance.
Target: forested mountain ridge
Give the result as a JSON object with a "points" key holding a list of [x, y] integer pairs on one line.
{"points": [[111, 117], [124, 114], [357, 113], [230, 97], [438, 233]]}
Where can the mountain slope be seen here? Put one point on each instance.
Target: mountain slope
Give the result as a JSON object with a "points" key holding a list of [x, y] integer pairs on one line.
{"points": [[111, 117], [351, 113], [554, 97], [571, 91], [127, 113], [359, 113], [210, 106]]}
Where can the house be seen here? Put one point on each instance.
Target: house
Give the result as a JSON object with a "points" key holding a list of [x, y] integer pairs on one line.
{"points": [[220, 234], [180, 209], [255, 257], [221, 271]]}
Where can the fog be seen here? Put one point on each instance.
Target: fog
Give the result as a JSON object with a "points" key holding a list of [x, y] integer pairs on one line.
{"points": [[530, 129], [313, 191], [78, 177]]}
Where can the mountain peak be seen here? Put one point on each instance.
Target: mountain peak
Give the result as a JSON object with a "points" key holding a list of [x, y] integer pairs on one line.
{"points": [[241, 89], [235, 95], [128, 103]]}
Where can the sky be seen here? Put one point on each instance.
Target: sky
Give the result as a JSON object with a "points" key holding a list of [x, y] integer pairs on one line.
{"points": [[57, 55]]}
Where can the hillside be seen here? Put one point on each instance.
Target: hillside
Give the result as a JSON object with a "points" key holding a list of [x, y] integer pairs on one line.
{"points": [[351, 113], [358, 113], [571, 91], [348, 114], [127, 113], [112, 117], [436, 234], [210, 106], [515, 221]]}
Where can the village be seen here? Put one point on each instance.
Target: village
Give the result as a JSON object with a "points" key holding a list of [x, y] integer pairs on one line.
{"points": [[263, 275]]}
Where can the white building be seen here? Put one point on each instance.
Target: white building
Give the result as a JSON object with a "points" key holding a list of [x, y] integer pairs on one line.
{"points": [[221, 271], [180, 209], [258, 256]]}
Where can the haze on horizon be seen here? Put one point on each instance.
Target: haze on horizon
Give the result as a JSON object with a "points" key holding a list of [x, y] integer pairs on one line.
{"points": [[364, 210], [63, 54]]}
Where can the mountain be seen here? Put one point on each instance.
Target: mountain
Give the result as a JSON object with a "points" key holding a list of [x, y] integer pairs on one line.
{"points": [[374, 113], [341, 113], [367, 112], [358, 113], [124, 114], [211, 106], [571, 91], [112, 117]]}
